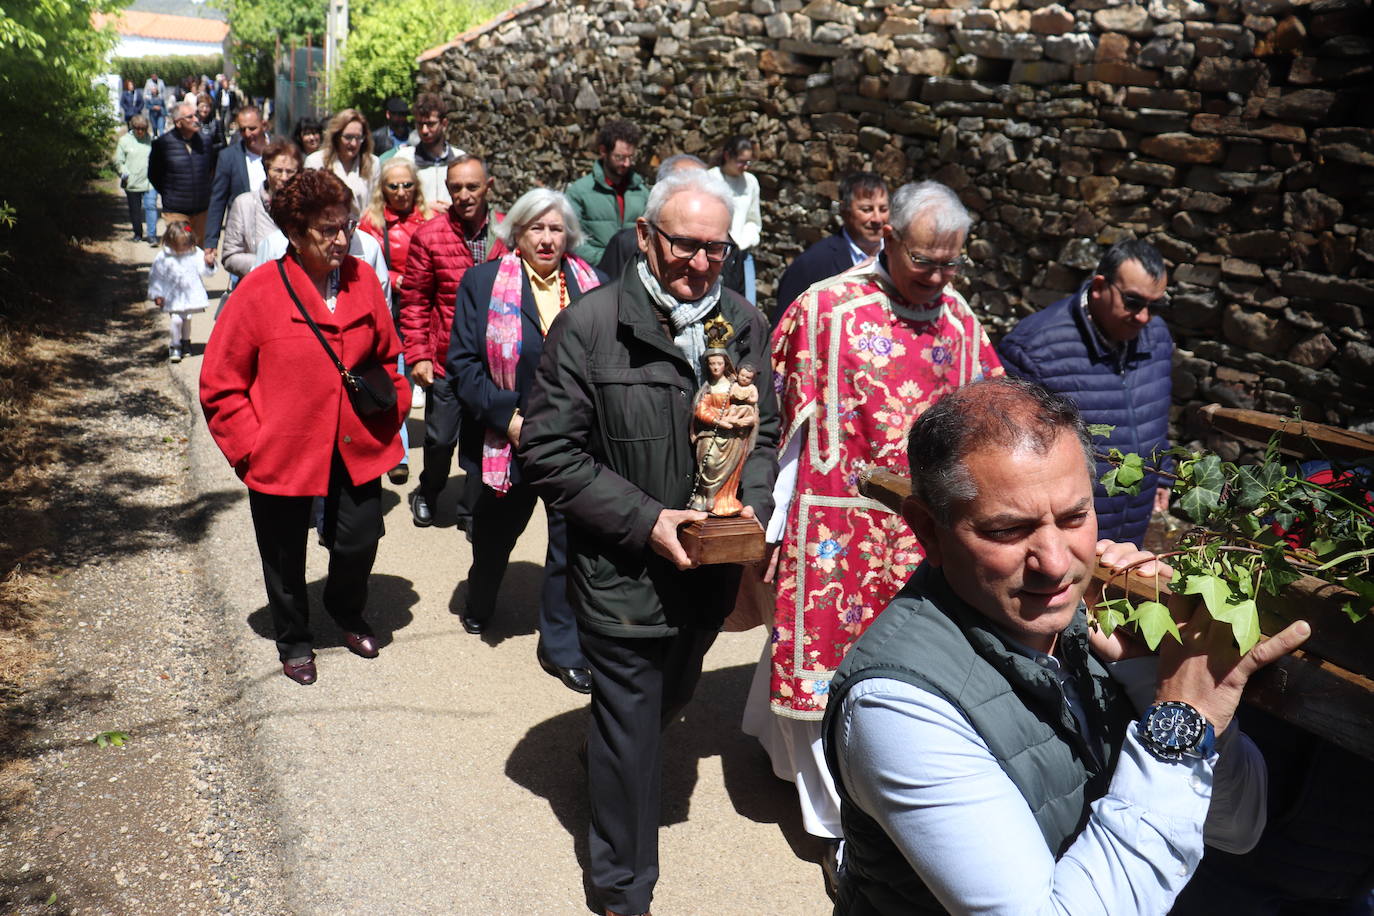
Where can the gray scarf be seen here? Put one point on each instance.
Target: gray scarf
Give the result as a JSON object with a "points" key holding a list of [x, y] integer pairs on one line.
{"points": [[685, 317]]}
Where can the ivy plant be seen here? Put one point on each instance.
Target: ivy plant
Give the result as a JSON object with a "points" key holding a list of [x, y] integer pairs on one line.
{"points": [[1255, 528]]}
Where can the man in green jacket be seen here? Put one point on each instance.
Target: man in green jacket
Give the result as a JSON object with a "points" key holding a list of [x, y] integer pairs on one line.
{"points": [[607, 443], [613, 196]]}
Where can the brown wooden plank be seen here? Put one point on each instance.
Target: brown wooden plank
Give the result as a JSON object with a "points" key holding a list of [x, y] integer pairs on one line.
{"points": [[1299, 437], [1318, 697]]}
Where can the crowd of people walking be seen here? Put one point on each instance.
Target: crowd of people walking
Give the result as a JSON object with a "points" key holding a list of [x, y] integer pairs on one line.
{"points": [[562, 348]]}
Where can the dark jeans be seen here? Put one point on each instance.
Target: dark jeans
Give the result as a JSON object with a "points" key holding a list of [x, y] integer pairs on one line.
{"points": [[497, 523], [638, 687], [143, 208], [352, 528]]}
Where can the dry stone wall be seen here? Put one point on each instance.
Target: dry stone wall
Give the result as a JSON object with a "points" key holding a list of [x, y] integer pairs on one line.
{"points": [[1234, 135]]}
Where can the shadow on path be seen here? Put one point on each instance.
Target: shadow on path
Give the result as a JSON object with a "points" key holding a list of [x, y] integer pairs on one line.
{"points": [[545, 761], [389, 603]]}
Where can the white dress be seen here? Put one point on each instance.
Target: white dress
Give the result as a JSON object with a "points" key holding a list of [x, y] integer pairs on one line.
{"points": [[177, 280]]}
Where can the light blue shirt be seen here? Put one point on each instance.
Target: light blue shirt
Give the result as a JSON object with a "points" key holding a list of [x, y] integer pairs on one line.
{"points": [[913, 762], [856, 254]]}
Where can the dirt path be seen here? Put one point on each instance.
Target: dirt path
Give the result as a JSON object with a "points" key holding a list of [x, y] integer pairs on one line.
{"points": [[172, 821], [439, 778]]}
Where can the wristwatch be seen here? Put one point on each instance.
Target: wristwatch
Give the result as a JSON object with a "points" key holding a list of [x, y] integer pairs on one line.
{"points": [[1172, 731]]}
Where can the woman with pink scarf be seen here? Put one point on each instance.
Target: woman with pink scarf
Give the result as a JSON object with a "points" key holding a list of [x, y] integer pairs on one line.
{"points": [[505, 309]]}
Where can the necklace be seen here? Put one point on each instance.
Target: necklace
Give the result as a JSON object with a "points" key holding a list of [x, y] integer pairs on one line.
{"points": [[562, 290]]}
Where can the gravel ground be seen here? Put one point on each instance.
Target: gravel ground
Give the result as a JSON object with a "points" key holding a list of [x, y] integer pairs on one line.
{"points": [[173, 821]]}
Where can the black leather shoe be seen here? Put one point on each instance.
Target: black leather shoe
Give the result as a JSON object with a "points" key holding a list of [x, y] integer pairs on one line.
{"points": [[578, 680], [399, 474], [472, 625], [419, 510], [300, 670], [364, 644]]}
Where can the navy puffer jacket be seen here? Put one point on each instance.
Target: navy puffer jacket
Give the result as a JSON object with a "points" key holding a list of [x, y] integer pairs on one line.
{"points": [[1129, 390], [180, 170]]}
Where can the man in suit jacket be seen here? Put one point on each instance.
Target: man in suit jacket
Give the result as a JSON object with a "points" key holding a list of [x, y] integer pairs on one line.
{"points": [[863, 213], [239, 168]]}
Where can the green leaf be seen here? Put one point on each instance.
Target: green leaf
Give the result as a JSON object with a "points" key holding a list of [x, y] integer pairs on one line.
{"points": [[1154, 621], [1244, 620], [1100, 430], [115, 738], [1353, 613], [52, 898], [1112, 614], [1322, 546], [1214, 591]]}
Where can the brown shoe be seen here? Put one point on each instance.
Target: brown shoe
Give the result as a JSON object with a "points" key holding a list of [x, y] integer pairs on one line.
{"points": [[363, 644], [300, 670]]}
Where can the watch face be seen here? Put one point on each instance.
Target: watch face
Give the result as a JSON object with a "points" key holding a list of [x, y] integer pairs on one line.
{"points": [[1174, 727]]}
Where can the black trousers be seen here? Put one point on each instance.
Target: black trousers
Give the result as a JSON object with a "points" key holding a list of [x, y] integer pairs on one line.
{"points": [[443, 418], [497, 523], [352, 528], [638, 687]]}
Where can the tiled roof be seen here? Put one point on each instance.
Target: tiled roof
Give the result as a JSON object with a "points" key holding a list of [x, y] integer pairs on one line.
{"points": [[160, 25]]}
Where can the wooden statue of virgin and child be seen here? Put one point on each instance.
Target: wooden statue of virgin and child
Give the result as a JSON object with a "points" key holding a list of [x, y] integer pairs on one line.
{"points": [[725, 420]]}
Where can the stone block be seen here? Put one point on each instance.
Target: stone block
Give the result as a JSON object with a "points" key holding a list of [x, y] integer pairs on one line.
{"points": [[1256, 331], [1146, 120], [778, 25], [1097, 190], [1039, 72], [1354, 145], [1222, 125], [1199, 274], [1117, 74], [831, 11], [1347, 46], [952, 90], [1151, 173], [981, 19], [1320, 286], [1306, 105], [997, 45], [781, 62], [1315, 71], [1051, 20], [1098, 138], [1163, 52], [1219, 74], [1183, 147], [873, 138], [835, 122], [1313, 351], [1266, 244], [1076, 48], [810, 48], [1241, 270], [1113, 48], [1246, 156], [926, 62], [1196, 309], [1357, 360], [1129, 20]]}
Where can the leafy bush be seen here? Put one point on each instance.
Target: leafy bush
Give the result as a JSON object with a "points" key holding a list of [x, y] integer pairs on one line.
{"points": [[171, 70], [55, 121], [256, 25], [384, 38]]}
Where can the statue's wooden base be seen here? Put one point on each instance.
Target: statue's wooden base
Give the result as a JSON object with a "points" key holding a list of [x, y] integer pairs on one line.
{"points": [[723, 540]]}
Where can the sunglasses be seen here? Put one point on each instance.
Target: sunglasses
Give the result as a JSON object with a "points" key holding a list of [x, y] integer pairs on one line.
{"points": [[1134, 303], [399, 185]]}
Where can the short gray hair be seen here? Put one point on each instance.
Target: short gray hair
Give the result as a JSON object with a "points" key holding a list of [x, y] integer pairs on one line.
{"points": [[929, 200], [1004, 412], [533, 204], [673, 163], [183, 109], [688, 180]]}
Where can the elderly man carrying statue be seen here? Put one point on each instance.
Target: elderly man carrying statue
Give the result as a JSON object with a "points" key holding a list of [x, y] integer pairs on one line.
{"points": [[607, 441], [993, 752]]}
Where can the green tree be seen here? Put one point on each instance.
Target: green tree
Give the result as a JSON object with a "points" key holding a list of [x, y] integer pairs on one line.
{"points": [[384, 38], [55, 117], [257, 24]]}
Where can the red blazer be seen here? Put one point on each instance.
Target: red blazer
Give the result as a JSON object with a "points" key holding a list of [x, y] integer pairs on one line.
{"points": [[274, 402], [435, 265]]}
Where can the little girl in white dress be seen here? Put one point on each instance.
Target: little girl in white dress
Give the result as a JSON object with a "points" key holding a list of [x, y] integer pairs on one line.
{"points": [[176, 286]]}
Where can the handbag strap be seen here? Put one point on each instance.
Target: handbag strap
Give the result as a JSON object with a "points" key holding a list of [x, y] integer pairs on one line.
{"points": [[338, 364]]}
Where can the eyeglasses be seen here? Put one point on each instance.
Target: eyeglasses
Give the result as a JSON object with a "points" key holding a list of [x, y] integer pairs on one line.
{"points": [[399, 185], [1135, 303], [687, 248], [329, 232], [930, 266], [351, 138], [282, 173]]}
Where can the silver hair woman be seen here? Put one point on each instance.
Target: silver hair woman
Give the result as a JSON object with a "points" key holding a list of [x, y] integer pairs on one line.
{"points": [[535, 203]]}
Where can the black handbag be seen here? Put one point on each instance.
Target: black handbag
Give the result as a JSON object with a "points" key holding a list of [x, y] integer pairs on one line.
{"points": [[369, 386]]}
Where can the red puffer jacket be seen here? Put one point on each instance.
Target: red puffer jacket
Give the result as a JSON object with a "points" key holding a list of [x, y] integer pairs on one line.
{"points": [[396, 240], [435, 265]]}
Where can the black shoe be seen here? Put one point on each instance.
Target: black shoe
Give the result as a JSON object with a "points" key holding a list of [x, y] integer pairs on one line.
{"points": [[399, 474], [420, 512], [578, 680], [472, 625]]}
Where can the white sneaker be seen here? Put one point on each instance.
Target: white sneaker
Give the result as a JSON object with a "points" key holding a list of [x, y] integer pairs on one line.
{"points": [[174, 354]]}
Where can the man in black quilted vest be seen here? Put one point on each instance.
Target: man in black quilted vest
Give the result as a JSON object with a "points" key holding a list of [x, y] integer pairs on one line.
{"points": [[989, 748]]}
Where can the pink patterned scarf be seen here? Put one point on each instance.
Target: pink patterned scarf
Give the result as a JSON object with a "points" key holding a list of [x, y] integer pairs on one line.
{"points": [[503, 351]]}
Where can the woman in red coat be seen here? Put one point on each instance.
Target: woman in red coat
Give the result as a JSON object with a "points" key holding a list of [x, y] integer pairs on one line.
{"points": [[278, 409]]}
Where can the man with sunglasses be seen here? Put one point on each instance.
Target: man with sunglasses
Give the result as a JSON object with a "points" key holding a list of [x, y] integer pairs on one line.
{"points": [[1107, 348], [606, 441], [860, 356]]}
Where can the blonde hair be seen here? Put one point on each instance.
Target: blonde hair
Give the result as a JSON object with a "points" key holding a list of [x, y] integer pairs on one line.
{"points": [[179, 235], [376, 206], [335, 128]]}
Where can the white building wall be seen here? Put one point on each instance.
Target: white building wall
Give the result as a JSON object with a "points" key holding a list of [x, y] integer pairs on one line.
{"points": [[134, 46]]}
